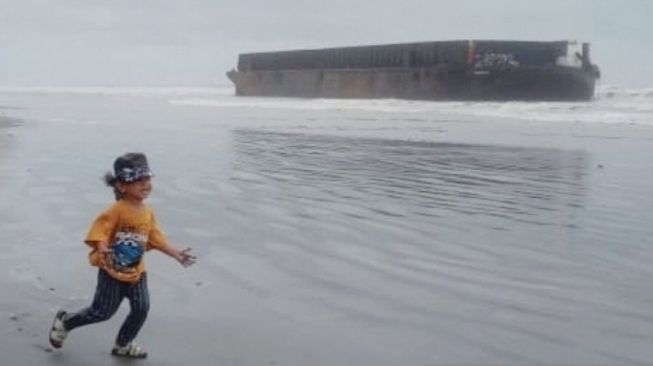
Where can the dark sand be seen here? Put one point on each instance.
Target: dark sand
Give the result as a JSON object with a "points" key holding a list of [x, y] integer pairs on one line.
{"points": [[335, 237]]}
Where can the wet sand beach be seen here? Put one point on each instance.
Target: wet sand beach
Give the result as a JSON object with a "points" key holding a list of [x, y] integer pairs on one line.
{"points": [[336, 232]]}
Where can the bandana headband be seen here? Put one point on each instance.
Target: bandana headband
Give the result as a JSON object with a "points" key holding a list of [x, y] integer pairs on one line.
{"points": [[130, 175]]}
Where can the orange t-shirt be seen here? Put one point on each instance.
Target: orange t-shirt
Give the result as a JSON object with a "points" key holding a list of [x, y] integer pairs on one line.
{"points": [[127, 230]]}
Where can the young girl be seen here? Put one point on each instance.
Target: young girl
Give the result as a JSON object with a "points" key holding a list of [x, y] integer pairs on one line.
{"points": [[119, 237]]}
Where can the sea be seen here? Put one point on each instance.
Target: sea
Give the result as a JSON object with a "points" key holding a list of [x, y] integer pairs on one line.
{"points": [[356, 232]]}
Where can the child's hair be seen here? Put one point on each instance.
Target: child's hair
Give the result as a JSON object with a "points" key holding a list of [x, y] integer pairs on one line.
{"points": [[112, 181]]}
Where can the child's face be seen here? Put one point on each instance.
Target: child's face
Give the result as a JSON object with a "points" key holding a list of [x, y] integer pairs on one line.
{"points": [[136, 191]]}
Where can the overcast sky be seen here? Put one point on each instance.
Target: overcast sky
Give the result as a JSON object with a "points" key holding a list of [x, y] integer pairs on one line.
{"points": [[193, 42]]}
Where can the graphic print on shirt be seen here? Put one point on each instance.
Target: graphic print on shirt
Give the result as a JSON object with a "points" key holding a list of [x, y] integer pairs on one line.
{"points": [[128, 248]]}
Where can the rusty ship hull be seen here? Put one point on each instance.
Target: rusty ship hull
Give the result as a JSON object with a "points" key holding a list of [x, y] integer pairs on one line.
{"points": [[451, 70]]}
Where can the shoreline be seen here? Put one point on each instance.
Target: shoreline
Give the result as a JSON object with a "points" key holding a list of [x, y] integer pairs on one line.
{"points": [[332, 238]]}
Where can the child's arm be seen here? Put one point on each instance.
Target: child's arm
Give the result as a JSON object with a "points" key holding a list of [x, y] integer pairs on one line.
{"points": [[182, 256], [157, 240], [101, 246]]}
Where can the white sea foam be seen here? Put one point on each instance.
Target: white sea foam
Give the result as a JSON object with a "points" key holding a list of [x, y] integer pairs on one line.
{"points": [[612, 104]]}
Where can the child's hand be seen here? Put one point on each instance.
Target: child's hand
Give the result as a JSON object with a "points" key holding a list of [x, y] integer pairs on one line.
{"points": [[185, 258], [103, 249]]}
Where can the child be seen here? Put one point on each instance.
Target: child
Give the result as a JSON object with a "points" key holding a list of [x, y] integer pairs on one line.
{"points": [[118, 238]]}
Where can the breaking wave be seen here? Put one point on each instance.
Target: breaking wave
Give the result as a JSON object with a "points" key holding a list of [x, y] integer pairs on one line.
{"points": [[612, 104]]}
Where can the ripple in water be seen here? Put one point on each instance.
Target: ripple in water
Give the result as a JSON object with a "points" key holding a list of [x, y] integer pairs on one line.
{"points": [[477, 247]]}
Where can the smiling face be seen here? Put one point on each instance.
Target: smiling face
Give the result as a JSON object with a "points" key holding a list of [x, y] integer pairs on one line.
{"points": [[136, 191]]}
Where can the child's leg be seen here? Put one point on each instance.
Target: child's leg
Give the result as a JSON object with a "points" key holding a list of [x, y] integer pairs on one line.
{"points": [[107, 299], [139, 300]]}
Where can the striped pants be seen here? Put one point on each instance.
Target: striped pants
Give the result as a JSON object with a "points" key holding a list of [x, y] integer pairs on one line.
{"points": [[108, 296]]}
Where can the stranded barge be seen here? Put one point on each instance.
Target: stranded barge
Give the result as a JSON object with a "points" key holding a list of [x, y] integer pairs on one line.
{"points": [[443, 70]]}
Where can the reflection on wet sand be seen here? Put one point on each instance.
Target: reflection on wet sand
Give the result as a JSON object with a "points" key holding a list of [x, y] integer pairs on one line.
{"points": [[462, 242], [429, 237], [413, 179]]}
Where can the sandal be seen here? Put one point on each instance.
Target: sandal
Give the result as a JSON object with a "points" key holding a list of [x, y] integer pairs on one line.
{"points": [[58, 331], [129, 351]]}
